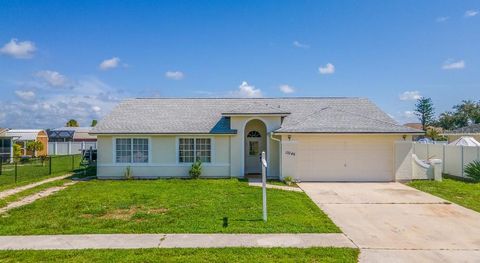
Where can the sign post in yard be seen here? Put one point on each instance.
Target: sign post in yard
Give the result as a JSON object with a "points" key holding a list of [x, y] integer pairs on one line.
{"points": [[264, 186]]}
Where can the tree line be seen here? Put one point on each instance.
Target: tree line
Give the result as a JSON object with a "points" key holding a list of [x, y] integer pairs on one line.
{"points": [[74, 123], [463, 114]]}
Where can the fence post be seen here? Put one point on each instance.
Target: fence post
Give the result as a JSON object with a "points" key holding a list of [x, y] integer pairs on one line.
{"points": [[443, 158], [462, 161], [50, 165], [15, 172], [55, 148], [69, 147]]}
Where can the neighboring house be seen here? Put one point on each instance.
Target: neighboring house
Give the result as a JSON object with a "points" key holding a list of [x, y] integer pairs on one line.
{"points": [[471, 130], [71, 134], [417, 126], [24, 136], [310, 139], [414, 125], [6, 145]]}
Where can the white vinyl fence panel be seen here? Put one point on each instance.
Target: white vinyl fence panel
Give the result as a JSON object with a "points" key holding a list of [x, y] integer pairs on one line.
{"points": [[454, 158], [66, 148]]}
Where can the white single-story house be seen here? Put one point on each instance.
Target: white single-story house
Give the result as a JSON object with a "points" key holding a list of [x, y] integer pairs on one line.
{"points": [[6, 146], [309, 139]]}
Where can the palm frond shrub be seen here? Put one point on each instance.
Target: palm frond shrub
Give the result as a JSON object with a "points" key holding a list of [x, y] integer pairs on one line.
{"points": [[472, 170]]}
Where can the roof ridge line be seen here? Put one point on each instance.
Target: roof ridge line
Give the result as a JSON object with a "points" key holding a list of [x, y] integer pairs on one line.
{"points": [[366, 117], [309, 115]]}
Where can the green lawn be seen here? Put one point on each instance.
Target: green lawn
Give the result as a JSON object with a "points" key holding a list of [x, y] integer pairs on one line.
{"points": [[36, 170], [167, 206], [185, 255], [466, 194]]}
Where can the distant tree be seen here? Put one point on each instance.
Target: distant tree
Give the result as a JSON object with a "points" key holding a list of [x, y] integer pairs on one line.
{"points": [[72, 123], [425, 112], [467, 112], [434, 134], [34, 146], [447, 121], [94, 123], [464, 114]]}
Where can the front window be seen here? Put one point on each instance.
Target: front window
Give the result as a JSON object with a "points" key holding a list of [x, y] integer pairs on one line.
{"points": [[131, 150], [190, 150]]}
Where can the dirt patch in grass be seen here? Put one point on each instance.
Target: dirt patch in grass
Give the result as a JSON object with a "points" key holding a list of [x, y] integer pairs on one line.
{"points": [[157, 210], [128, 213], [121, 214]]}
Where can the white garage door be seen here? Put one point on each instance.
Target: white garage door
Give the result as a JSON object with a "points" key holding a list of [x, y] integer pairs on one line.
{"points": [[344, 158]]}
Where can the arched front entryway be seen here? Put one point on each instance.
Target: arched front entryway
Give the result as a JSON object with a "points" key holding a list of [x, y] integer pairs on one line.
{"points": [[255, 135]]}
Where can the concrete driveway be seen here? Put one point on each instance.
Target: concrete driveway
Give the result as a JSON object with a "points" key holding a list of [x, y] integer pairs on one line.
{"points": [[391, 222]]}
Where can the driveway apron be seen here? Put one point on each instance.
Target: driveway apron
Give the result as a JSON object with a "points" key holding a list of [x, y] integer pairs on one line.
{"points": [[391, 222]]}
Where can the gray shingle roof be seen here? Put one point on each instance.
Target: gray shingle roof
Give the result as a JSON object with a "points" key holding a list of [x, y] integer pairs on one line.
{"points": [[204, 115]]}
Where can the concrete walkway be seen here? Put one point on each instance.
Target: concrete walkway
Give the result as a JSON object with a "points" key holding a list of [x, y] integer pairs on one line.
{"points": [[19, 189], [257, 182], [125, 241], [391, 222]]}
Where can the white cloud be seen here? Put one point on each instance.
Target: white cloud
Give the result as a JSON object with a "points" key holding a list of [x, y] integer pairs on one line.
{"points": [[16, 49], [176, 75], [328, 69], [53, 78], [286, 89], [96, 108], [471, 13], [88, 98], [300, 45], [247, 91], [110, 63], [410, 95], [26, 95], [409, 114], [451, 64], [442, 19]]}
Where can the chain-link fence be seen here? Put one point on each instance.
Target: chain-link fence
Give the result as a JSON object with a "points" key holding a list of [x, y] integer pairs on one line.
{"points": [[26, 169]]}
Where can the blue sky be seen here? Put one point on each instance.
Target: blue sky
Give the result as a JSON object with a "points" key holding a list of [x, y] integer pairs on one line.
{"points": [[77, 59]]}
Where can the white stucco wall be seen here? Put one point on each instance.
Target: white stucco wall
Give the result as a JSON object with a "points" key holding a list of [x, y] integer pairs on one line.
{"points": [[163, 158]]}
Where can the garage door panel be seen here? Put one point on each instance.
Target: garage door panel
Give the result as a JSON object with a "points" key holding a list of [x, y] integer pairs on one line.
{"points": [[342, 158]]}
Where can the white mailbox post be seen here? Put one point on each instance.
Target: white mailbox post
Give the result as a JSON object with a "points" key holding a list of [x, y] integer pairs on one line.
{"points": [[264, 186]]}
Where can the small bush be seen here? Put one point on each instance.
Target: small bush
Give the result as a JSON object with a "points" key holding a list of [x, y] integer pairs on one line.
{"points": [[472, 170], [195, 170], [128, 173], [17, 150], [288, 180]]}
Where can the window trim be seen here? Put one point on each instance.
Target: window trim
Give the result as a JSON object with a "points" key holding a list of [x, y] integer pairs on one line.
{"points": [[177, 149], [114, 151]]}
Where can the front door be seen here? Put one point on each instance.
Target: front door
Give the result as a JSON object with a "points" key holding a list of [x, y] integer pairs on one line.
{"points": [[253, 152]]}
